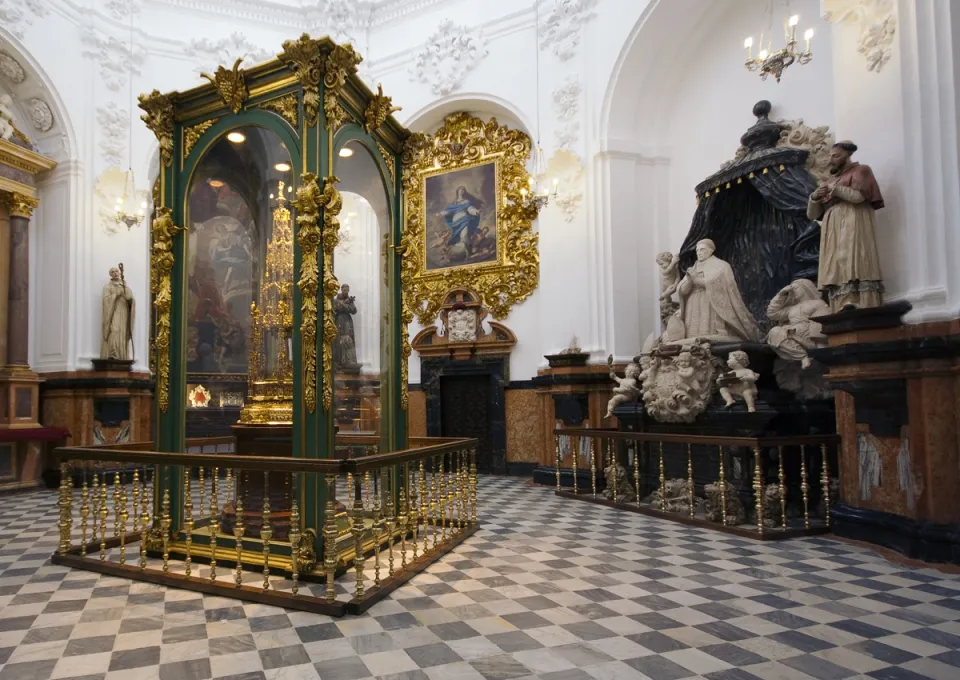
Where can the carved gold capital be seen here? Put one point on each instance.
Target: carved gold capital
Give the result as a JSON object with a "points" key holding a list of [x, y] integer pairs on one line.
{"points": [[19, 205]]}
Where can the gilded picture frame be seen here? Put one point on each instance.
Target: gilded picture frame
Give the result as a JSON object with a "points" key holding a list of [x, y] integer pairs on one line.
{"points": [[465, 224]]}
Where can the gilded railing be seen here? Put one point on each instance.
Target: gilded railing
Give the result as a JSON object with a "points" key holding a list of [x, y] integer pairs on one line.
{"points": [[202, 520], [762, 487]]}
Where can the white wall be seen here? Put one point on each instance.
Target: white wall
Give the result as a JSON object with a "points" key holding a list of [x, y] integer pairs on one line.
{"points": [[650, 94]]}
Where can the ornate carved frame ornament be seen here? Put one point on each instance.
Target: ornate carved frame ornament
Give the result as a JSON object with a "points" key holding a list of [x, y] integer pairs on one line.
{"points": [[475, 341], [464, 142]]}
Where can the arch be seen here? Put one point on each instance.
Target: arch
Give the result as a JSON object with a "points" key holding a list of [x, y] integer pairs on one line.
{"points": [[37, 83], [482, 105]]}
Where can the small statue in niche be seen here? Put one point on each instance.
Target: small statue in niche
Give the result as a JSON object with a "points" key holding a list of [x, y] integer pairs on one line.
{"points": [[849, 263], [739, 381], [793, 309], [118, 312], [344, 346], [628, 387], [710, 303]]}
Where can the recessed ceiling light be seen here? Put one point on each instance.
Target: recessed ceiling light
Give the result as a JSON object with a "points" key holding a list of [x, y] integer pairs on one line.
{"points": [[346, 152], [282, 167], [236, 137]]}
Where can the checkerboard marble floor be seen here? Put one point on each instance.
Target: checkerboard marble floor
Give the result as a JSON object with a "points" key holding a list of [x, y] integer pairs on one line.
{"points": [[548, 588]]}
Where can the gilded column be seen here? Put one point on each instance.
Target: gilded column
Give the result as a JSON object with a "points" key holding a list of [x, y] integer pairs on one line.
{"points": [[18, 295]]}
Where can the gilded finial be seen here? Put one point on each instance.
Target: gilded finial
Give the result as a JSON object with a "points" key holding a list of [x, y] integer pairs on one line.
{"points": [[230, 85], [379, 109]]}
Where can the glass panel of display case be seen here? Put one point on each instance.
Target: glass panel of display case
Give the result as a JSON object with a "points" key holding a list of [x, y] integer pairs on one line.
{"points": [[241, 279], [361, 358]]}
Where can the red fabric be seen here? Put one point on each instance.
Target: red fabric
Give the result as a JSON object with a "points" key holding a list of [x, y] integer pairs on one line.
{"points": [[860, 177], [33, 434]]}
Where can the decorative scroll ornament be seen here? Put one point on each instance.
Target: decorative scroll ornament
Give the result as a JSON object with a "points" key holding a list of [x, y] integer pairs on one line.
{"points": [[230, 85], [305, 57], [464, 142], [379, 109], [448, 56], [307, 203], [678, 385], [159, 118], [390, 162], [114, 122], [11, 69], [877, 22], [331, 202], [341, 62], [223, 51], [406, 318], [192, 135], [563, 26], [161, 262], [285, 107]]}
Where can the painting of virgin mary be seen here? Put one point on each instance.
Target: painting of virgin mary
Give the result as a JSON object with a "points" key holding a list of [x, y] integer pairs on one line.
{"points": [[462, 220]]}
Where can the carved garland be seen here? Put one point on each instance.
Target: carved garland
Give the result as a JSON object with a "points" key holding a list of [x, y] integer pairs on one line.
{"points": [[159, 118], [192, 135], [332, 203], [305, 57], [341, 62], [464, 141], [307, 204], [230, 85], [285, 107], [161, 262]]}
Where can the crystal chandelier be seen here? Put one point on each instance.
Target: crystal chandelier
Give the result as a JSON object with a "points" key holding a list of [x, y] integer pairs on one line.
{"points": [[770, 62], [127, 211], [541, 189]]}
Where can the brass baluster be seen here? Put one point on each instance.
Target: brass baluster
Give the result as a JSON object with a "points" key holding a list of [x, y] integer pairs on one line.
{"points": [[461, 487], [330, 536], [165, 523], [758, 487], [593, 466], [434, 495], [66, 508], [691, 489], [614, 465], [377, 525], [116, 504], [350, 490], [723, 488], [136, 500], [84, 514], [391, 518], [424, 501], [95, 505], [473, 486], [805, 486], [214, 520], [104, 513], [357, 531], [559, 460], [574, 454], [203, 487], [825, 484], [366, 489], [187, 521], [663, 483], [238, 530], [442, 499], [783, 489], [266, 531], [636, 470], [404, 517], [230, 488], [413, 507], [124, 516], [294, 535], [144, 519]]}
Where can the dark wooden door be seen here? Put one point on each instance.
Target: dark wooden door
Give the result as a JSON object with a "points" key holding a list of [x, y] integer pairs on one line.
{"points": [[464, 409]]}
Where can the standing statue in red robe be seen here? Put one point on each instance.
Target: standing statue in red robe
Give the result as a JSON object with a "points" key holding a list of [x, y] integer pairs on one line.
{"points": [[849, 263]]}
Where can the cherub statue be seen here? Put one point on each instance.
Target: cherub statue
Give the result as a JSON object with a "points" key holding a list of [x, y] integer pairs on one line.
{"points": [[739, 381], [669, 281], [628, 387], [687, 382]]}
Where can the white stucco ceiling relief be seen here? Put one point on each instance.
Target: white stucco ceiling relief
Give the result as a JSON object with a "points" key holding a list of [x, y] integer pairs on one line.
{"points": [[448, 55]]}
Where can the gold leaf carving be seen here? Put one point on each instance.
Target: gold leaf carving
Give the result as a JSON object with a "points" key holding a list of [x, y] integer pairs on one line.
{"points": [[192, 135], [306, 58], [378, 110], [19, 205], [159, 118], [285, 107], [463, 142], [230, 85], [332, 204], [161, 261], [341, 62], [307, 203], [390, 162]]}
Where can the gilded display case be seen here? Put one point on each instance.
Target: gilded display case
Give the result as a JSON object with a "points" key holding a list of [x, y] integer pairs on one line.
{"points": [[275, 271]]}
